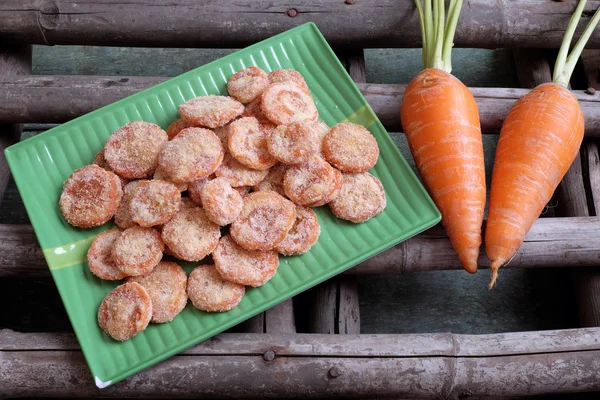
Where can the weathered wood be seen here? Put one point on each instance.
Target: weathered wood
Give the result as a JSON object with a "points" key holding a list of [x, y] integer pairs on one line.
{"points": [[348, 318], [552, 242], [61, 98], [359, 24], [280, 319], [15, 59], [410, 366], [323, 310], [591, 169]]}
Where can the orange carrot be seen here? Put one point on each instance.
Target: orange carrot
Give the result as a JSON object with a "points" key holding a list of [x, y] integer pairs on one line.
{"points": [[441, 122], [538, 142]]}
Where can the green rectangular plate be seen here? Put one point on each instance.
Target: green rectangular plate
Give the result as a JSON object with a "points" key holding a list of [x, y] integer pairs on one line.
{"points": [[41, 164]]}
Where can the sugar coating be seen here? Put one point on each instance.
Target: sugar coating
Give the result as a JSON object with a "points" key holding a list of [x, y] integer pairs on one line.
{"points": [[350, 148], [248, 143], [167, 287], [137, 251], [154, 202], [303, 234], [132, 150], [253, 109], [195, 190], [99, 256], [295, 143], [287, 76], [221, 202], [176, 127], [310, 182], [245, 267], [161, 174], [123, 216], [210, 111], [222, 133], [247, 84], [187, 202], [274, 180], [284, 103], [242, 190], [125, 311], [333, 193], [264, 221], [238, 174], [90, 197], [209, 292], [361, 198], [194, 153], [190, 235], [100, 161], [321, 129]]}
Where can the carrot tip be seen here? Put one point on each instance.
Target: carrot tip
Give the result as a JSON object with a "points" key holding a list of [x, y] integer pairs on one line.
{"points": [[494, 273]]}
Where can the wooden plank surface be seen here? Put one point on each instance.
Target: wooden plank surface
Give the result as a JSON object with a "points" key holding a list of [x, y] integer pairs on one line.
{"points": [[359, 24]]}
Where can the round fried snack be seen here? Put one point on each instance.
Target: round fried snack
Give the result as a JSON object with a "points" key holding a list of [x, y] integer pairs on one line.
{"points": [[161, 175], [100, 161], [132, 150], [187, 202], [362, 197], [222, 133], [284, 103], [208, 291], [295, 143], [194, 153], [238, 174], [248, 144], [125, 312], [333, 193], [350, 148], [195, 190], [90, 197], [137, 251], [221, 202], [167, 288], [247, 84], [176, 127], [154, 203], [310, 182], [253, 109], [122, 216], [264, 221], [287, 76], [210, 111], [99, 256], [242, 190], [245, 267], [322, 130], [190, 235], [274, 180], [303, 235]]}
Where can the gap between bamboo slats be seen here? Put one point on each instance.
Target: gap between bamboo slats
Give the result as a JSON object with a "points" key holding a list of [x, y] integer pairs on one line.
{"points": [[33, 99], [439, 365], [347, 24], [552, 242]]}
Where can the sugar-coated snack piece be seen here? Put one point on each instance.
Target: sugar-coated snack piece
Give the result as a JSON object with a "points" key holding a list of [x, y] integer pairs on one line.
{"points": [[322, 129], [100, 161], [195, 190], [242, 190], [287, 76], [238, 174], [284, 103], [245, 267], [253, 109], [310, 182], [190, 235], [221, 202], [209, 292], [222, 133], [132, 150], [176, 127], [137, 251], [154, 203], [125, 311], [362, 197], [265, 219], [187, 202], [122, 216], [274, 180], [295, 143], [333, 193], [247, 84], [248, 144], [90, 197], [303, 235], [100, 259], [167, 287], [194, 153], [210, 111], [350, 148], [161, 174]]}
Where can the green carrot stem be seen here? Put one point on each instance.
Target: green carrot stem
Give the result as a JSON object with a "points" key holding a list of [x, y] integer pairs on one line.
{"points": [[453, 13], [437, 61], [423, 31], [427, 14]]}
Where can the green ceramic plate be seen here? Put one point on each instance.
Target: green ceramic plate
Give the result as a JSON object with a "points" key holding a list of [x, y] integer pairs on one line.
{"points": [[41, 164]]}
